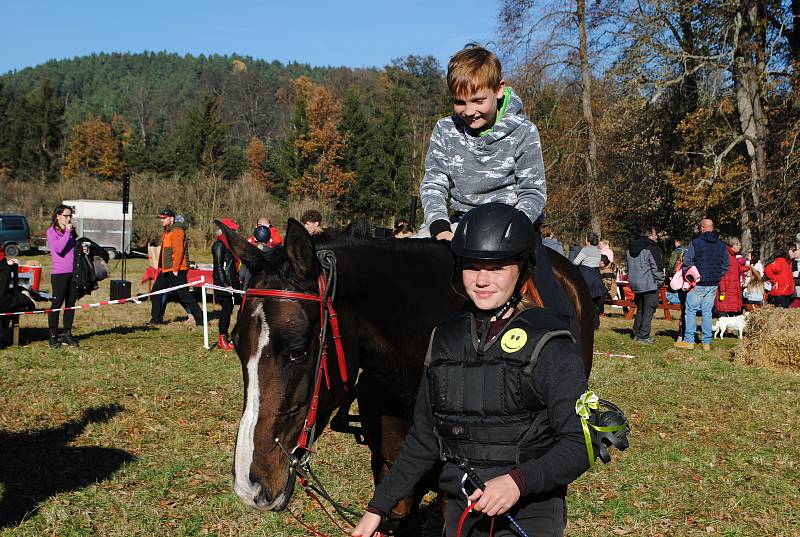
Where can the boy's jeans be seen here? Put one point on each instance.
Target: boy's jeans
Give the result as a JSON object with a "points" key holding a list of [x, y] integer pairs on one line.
{"points": [[700, 298]]}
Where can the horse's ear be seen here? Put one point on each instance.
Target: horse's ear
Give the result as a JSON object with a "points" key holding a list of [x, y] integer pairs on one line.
{"points": [[300, 249], [243, 250]]}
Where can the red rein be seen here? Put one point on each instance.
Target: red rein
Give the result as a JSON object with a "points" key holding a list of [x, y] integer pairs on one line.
{"points": [[311, 418]]}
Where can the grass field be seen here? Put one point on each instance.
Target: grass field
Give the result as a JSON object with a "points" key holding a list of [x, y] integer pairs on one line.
{"points": [[133, 434]]}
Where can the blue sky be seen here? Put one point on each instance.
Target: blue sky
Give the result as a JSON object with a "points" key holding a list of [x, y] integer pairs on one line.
{"points": [[353, 33]]}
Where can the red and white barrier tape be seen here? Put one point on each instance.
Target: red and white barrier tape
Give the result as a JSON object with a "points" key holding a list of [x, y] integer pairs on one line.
{"points": [[220, 288], [135, 299]]}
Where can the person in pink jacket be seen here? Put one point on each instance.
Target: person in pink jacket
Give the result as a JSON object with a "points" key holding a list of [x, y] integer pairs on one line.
{"points": [[61, 240]]}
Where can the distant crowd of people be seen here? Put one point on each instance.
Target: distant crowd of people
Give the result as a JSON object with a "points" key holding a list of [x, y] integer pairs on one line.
{"points": [[709, 276]]}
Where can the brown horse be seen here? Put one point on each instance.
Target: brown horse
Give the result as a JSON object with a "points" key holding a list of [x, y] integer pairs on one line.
{"points": [[389, 296]]}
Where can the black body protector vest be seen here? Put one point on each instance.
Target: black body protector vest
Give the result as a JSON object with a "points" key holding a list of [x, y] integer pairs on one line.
{"points": [[484, 406]]}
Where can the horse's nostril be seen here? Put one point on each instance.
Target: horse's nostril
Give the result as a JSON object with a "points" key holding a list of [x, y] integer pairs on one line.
{"points": [[264, 497]]}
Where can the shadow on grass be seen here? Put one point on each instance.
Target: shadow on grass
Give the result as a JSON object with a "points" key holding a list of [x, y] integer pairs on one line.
{"points": [[624, 331], [118, 330], [29, 335], [36, 465], [669, 333]]}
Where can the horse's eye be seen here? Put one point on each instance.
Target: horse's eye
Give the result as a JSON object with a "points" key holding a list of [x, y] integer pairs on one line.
{"points": [[297, 355]]}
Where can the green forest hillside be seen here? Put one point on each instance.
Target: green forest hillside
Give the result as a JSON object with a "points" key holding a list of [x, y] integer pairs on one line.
{"points": [[349, 140]]}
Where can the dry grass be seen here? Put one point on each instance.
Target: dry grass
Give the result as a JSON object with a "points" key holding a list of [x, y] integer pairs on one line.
{"points": [[201, 199], [772, 339], [133, 434]]}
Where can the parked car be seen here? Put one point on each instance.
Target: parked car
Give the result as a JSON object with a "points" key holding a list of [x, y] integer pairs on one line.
{"points": [[15, 233]]}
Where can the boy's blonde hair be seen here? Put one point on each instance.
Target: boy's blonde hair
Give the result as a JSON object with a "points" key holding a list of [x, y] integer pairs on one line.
{"points": [[473, 69]]}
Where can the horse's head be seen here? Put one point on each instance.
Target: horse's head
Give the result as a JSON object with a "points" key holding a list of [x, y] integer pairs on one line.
{"points": [[277, 341]]}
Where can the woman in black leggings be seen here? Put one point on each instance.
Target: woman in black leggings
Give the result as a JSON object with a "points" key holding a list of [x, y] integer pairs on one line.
{"points": [[225, 275], [61, 241]]}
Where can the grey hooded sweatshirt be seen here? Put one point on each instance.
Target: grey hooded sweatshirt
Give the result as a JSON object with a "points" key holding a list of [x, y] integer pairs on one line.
{"points": [[503, 164], [645, 265]]}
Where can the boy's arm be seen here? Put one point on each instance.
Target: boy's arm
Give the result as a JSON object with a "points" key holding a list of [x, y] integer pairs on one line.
{"points": [[435, 186], [531, 186]]}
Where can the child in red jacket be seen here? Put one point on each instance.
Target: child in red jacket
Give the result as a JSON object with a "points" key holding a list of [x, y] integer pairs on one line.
{"points": [[779, 273]]}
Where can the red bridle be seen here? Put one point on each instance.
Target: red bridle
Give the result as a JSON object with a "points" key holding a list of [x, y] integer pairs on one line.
{"points": [[325, 306]]}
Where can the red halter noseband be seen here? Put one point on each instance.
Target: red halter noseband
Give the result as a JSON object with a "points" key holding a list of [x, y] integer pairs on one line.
{"points": [[326, 315]]}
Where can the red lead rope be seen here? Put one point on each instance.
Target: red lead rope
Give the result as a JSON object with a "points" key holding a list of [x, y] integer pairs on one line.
{"points": [[463, 519], [311, 418]]}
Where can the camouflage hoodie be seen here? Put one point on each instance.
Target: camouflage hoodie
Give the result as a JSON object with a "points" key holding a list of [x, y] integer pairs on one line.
{"points": [[503, 164]]}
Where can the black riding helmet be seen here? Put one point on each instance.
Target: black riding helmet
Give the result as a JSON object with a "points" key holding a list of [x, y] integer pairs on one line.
{"points": [[493, 232], [614, 417]]}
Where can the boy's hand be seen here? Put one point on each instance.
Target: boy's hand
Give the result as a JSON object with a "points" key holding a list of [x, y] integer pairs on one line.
{"points": [[500, 495], [445, 236], [367, 526]]}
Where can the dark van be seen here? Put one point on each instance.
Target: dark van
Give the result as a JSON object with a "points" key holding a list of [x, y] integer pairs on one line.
{"points": [[15, 234]]}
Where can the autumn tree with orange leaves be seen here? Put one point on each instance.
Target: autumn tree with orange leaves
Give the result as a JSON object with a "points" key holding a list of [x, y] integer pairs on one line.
{"points": [[92, 150], [256, 156], [322, 146]]}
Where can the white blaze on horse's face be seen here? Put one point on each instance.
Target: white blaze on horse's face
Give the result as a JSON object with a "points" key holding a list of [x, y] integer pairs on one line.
{"points": [[245, 439]]}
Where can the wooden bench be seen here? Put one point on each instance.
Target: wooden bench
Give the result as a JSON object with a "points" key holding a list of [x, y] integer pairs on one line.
{"points": [[629, 306]]}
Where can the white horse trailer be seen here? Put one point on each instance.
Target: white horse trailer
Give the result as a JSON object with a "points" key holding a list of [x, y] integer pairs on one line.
{"points": [[101, 221]]}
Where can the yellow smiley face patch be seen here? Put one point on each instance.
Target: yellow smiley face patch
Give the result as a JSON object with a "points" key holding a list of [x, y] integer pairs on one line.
{"points": [[514, 340]]}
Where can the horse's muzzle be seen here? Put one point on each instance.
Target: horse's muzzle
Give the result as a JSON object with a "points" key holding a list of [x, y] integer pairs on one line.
{"points": [[265, 501]]}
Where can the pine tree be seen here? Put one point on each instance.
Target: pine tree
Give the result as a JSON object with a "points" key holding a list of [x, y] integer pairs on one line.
{"points": [[358, 156], [203, 143], [284, 162], [393, 180], [35, 126]]}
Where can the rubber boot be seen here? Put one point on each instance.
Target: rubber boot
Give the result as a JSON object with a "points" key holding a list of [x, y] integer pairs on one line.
{"points": [[69, 339], [224, 344], [53, 339]]}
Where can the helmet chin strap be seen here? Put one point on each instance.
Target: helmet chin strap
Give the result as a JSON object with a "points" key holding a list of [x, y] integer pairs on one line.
{"points": [[511, 303]]}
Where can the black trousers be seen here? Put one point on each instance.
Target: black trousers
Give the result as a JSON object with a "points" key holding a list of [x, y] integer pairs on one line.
{"points": [[226, 301], [64, 294], [646, 305], [781, 301], [166, 280], [542, 518], [682, 322]]}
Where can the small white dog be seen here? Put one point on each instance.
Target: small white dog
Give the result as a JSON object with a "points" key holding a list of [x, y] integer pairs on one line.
{"points": [[724, 324]]}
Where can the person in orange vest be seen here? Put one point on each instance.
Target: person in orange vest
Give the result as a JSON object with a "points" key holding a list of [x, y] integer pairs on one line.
{"points": [[173, 263]]}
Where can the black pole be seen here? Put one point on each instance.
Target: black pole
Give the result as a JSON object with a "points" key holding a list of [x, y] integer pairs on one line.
{"points": [[126, 194], [413, 216]]}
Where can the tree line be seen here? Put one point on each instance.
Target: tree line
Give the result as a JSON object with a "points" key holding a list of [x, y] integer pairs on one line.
{"points": [[351, 139]]}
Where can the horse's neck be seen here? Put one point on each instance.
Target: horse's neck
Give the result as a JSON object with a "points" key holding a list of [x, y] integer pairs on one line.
{"points": [[369, 272]]}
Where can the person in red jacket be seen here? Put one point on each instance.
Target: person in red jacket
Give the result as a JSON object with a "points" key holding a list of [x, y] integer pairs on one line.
{"points": [[729, 292], [271, 240], [779, 273]]}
